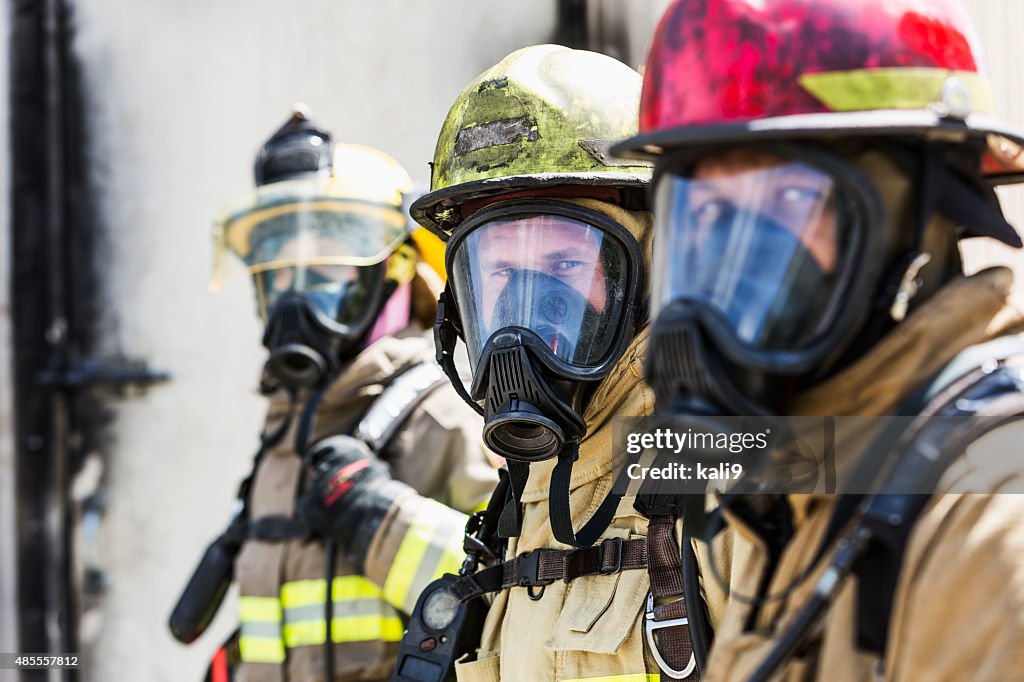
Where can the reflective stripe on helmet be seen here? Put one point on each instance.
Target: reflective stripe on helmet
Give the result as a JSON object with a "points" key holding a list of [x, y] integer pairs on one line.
{"points": [[431, 547], [359, 612], [895, 88], [260, 637]]}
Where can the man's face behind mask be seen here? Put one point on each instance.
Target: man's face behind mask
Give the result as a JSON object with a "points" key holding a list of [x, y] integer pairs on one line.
{"points": [[756, 238], [555, 276], [340, 292]]}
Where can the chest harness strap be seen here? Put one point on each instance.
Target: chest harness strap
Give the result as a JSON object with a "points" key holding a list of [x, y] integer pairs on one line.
{"points": [[544, 566]]}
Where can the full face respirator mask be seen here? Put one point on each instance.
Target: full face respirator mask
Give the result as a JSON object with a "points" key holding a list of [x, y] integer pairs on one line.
{"points": [[545, 296]]}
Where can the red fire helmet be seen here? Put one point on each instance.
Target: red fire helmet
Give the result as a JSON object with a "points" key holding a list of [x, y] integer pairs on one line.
{"points": [[723, 71]]}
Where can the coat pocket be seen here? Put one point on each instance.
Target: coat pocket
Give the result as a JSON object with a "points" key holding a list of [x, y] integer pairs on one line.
{"points": [[483, 670], [600, 611]]}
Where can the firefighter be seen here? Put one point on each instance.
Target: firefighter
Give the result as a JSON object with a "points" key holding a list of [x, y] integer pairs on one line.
{"points": [[548, 242], [818, 163], [347, 301]]}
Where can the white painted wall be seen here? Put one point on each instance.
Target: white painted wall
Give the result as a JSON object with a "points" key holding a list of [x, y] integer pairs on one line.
{"points": [[8, 540], [181, 95]]}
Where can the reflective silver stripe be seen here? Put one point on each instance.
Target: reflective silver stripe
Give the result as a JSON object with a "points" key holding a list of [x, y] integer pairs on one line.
{"points": [[396, 402], [260, 629], [359, 613], [260, 639]]}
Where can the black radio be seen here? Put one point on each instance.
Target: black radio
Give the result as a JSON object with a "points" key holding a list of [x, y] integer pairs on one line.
{"points": [[441, 630]]}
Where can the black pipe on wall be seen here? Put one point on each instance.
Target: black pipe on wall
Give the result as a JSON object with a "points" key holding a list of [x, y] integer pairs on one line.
{"points": [[54, 296]]}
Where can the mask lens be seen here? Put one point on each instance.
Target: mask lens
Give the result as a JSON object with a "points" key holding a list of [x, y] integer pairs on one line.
{"points": [[760, 239], [341, 293], [558, 277]]}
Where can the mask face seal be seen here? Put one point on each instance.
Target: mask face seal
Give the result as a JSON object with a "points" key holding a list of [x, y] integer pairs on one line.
{"points": [[544, 293]]}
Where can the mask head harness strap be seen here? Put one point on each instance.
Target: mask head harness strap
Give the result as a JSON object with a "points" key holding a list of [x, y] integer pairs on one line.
{"points": [[945, 186], [446, 335]]}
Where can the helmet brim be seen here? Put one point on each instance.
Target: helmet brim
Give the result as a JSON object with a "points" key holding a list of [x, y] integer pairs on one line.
{"points": [[424, 209], [1003, 162]]}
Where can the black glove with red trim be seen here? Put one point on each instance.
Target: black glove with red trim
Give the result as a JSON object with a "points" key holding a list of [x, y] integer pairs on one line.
{"points": [[349, 495]]}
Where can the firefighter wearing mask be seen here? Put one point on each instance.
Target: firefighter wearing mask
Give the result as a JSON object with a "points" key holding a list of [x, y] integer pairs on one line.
{"points": [[347, 300], [818, 163], [548, 241]]}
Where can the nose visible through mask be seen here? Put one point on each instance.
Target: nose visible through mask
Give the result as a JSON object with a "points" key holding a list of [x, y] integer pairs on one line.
{"points": [[757, 274], [551, 309]]}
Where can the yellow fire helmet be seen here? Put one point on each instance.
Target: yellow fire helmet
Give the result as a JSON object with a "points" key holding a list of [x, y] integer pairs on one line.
{"points": [[349, 217]]}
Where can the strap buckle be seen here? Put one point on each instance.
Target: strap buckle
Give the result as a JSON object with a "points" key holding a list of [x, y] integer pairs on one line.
{"points": [[528, 570], [651, 626], [616, 546]]}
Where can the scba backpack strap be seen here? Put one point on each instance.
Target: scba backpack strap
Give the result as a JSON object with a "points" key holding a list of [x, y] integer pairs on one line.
{"points": [[394, 406], [985, 391], [978, 383], [667, 624]]}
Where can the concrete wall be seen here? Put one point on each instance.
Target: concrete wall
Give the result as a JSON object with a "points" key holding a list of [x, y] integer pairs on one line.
{"points": [[8, 540], [1000, 24], [180, 96]]}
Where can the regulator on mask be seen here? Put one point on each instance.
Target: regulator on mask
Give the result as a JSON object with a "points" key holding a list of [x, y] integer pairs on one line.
{"points": [[324, 239], [545, 296]]}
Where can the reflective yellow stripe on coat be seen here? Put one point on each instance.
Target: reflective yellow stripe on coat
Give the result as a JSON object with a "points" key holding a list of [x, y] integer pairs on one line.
{"points": [[431, 547], [260, 636], [359, 612], [270, 625]]}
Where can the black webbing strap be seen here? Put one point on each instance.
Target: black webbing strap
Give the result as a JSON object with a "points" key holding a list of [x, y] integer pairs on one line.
{"points": [[480, 542], [445, 338], [559, 509], [276, 528], [307, 420], [544, 566], [510, 525]]}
